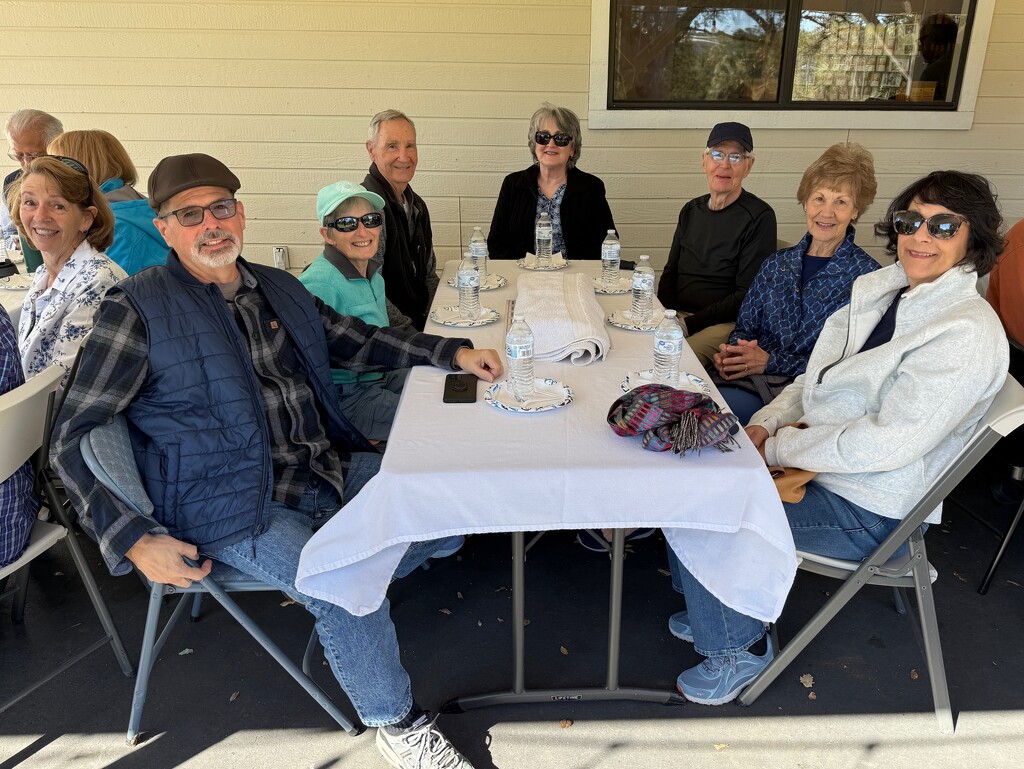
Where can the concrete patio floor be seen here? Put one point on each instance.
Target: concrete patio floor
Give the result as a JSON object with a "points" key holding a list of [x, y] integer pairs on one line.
{"points": [[226, 704]]}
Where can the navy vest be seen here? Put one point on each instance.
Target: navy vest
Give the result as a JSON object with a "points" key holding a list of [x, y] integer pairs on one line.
{"points": [[198, 426]]}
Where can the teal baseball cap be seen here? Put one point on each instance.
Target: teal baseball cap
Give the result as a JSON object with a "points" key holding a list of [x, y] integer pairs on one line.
{"points": [[333, 195]]}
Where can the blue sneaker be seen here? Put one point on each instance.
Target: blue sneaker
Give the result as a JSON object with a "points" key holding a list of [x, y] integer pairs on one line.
{"points": [[679, 626], [718, 680], [449, 546]]}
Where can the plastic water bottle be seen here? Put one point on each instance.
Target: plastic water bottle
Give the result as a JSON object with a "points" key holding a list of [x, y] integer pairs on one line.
{"points": [[542, 237], [469, 288], [611, 250], [478, 248], [643, 291], [519, 353], [668, 349]]}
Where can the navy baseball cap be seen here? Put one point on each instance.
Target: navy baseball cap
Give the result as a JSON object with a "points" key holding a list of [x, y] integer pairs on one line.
{"points": [[731, 132]]}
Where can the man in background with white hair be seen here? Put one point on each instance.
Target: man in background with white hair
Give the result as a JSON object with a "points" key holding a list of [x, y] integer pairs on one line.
{"points": [[28, 132]]}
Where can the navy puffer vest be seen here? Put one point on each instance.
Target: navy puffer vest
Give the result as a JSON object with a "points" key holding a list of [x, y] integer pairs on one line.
{"points": [[198, 427]]}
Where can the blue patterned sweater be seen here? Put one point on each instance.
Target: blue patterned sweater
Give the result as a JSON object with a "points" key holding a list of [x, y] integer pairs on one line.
{"points": [[785, 317]]}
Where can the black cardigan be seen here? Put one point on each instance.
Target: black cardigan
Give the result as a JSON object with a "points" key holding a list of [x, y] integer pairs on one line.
{"points": [[586, 217]]}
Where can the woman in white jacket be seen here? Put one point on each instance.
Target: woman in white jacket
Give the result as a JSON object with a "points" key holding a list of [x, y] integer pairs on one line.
{"points": [[894, 388]]}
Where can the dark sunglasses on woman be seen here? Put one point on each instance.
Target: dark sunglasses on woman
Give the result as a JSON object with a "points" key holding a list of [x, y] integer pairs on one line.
{"points": [[940, 226], [350, 223], [561, 139]]}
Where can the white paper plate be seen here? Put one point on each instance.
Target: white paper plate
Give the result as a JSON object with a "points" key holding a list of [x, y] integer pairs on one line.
{"points": [[529, 262], [16, 282], [622, 319], [624, 287], [492, 282], [500, 396], [449, 316], [689, 382]]}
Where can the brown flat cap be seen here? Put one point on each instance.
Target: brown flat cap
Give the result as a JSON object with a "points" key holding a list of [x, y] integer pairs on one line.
{"points": [[177, 173]]}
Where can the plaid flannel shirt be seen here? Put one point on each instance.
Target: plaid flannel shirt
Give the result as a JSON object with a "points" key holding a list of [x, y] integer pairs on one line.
{"points": [[115, 365]]}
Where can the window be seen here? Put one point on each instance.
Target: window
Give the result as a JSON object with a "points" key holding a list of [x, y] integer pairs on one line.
{"points": [[790, 56]]}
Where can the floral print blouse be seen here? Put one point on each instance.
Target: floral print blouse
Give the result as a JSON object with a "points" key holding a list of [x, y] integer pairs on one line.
{"points": [[56, 320]]}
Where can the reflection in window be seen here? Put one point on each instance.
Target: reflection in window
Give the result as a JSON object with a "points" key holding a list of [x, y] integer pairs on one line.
{"points": [[698, 52], [713, 52]]}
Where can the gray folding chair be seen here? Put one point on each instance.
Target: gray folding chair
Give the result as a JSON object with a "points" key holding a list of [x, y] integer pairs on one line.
{"points": [[913, 571], [108, 454], [25, 416]]}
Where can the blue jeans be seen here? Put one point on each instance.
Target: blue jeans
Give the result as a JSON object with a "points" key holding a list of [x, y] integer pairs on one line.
{"points": [[743, 403], [822, 523], [362, 651]]}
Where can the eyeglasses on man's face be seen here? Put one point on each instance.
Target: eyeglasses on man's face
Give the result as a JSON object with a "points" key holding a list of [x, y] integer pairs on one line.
{"points": [[190, 216], [940, 226], [544, 138], [25, 157], [734, 158], [371, 221]]}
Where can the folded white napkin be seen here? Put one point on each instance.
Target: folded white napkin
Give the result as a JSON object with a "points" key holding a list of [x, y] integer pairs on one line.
{"points": [[566, 320]]}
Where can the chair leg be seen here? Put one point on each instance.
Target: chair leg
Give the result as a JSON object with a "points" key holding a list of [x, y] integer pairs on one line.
{"points": [[282, 659], [983, 588], [20, 595], [930, 637], [197, 608], [898, 601], [307, 658], [100, 606], [146, 659], [808, 632]]}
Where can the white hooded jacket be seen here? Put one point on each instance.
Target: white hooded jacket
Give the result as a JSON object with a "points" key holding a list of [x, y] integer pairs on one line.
{"points": [[883, 424]]}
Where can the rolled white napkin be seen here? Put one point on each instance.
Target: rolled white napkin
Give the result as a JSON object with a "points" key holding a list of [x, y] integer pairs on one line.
{"points": [[566, 320]]}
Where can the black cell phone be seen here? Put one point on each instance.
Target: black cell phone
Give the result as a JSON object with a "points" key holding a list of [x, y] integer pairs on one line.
{"points": [[459, 388]]}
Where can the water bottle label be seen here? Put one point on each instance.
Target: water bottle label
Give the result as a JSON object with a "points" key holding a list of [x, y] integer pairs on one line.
{"points": [[469, 280], [478, 249], [667, 346], [518, 351], [642, 282]]}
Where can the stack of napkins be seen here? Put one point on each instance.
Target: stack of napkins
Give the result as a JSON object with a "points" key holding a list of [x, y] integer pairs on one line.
{"points": [[566, 320]]}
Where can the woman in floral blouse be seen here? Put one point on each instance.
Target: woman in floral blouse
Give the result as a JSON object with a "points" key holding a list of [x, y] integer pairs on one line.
{"points": [[59, 209]]}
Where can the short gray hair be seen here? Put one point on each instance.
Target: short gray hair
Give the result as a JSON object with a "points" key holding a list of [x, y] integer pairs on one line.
{"points": [[383, 117], [34, 120], [566, 120]]}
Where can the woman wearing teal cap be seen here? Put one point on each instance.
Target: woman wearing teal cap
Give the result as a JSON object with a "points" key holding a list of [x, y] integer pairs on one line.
{"points": [[347, 277]]}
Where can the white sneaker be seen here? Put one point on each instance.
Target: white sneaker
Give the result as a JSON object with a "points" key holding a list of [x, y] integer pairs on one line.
{"points": [[421, 746]]}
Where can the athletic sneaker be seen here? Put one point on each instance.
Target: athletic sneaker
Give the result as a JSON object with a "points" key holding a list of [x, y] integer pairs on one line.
{"points": [[679, 626], [718, 680], [594, 544], [421, 746], [449, 546]]}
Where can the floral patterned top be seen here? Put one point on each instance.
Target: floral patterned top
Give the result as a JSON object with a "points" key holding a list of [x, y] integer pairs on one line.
{"points": [[56, 320], [553, 207]]}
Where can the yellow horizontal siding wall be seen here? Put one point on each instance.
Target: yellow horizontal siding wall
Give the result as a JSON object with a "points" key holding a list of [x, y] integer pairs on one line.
{"points": [[283, 93]]}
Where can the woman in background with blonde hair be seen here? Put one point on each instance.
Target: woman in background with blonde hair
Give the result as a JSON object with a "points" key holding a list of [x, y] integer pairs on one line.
{"points": [[137, 244]]}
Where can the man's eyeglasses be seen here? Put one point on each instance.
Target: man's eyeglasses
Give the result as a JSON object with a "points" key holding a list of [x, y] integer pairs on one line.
{"points": [[734, 158], [190, 216], [544, 138], [370, 221], [940, 226], [23, 157]]}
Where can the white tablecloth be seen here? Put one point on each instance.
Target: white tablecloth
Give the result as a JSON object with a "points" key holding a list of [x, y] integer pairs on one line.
{"points": [[472, 468]]}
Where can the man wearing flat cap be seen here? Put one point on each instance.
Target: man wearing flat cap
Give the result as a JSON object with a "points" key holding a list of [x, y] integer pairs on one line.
{"points": [[721, 240], [222, 370]]}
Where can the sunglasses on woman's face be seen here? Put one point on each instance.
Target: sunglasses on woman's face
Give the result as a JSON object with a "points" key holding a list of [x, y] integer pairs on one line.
{"points": [[350, 223], [940, 226], [544, 137]]}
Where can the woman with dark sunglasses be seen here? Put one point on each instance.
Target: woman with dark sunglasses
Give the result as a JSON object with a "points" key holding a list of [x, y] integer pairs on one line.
{"points": [[574, 201], [894, 388], [347, 277], [60, 211]]}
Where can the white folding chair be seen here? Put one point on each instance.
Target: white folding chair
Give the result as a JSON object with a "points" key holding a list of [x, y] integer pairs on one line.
{"points": [[108, 454], [25, 416], [913, 571]]}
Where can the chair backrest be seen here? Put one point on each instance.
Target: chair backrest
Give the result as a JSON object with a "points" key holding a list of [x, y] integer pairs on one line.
{"points": [[107, 452], [1006, 413], [23, 419]]}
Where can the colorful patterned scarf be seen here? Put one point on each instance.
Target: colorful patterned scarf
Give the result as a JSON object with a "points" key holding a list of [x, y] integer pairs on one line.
{"points": [[667, 418]]}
